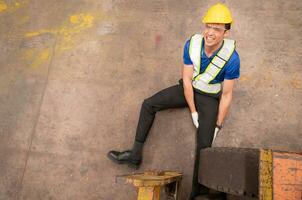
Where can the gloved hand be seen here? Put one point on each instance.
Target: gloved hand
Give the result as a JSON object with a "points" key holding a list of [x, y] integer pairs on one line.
{"points": [[195, 119], [216, 132]]}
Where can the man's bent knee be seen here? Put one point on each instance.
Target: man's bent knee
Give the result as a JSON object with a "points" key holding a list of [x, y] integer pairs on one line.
{"points": [[147, 105]]}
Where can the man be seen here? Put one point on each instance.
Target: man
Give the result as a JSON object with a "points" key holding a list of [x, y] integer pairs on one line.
{"points": [[209, 61]]}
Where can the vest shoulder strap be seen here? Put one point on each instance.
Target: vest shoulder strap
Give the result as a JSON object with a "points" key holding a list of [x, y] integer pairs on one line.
{"points": [[227, 49], [218, 62], [195, 49]]}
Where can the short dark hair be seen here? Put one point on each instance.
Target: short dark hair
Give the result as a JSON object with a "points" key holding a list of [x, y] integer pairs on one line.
{"points": [[227, 26]]}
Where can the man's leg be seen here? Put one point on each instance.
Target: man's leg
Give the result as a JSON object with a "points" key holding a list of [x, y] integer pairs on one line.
{"points": [[172, 97], [207, 108]]}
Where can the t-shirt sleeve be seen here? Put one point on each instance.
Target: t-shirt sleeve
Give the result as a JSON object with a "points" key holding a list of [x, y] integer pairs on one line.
{"points": [[186, 57], [233, 69]]}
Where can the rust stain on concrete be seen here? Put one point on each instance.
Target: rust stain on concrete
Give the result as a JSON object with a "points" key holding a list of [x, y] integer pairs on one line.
{"points": [[244, 78], [296, 82], [158, 40], [264, 80]]}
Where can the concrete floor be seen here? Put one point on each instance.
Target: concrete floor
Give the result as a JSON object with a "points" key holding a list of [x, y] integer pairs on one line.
{"points": [[74, 73]]}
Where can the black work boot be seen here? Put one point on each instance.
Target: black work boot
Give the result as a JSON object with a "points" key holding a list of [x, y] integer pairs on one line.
{"points": [[131, 157]]}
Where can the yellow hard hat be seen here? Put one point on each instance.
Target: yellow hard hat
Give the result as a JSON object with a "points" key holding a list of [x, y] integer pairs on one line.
{"points": [[219, 13]]}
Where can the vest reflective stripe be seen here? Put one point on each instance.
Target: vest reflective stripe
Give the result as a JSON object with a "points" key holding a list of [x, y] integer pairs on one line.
{"points": [[195, 51], [208, 88], [202, 81]]}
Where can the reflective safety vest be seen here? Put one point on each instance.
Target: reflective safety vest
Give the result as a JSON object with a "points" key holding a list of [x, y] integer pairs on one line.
{"points": [[201, 81]]}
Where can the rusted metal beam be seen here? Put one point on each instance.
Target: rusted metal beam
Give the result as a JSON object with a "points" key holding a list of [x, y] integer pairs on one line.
{"points": [[257, 173], [287, 176], [230, 170]]}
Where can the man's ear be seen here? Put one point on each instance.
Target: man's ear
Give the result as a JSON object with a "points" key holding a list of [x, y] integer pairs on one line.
{"points": [[226, 33]]}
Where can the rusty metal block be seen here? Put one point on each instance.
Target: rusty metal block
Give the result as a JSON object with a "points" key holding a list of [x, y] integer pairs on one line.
{"points": [[230, 170], [257, 173], [233, 197], [287, 176]]}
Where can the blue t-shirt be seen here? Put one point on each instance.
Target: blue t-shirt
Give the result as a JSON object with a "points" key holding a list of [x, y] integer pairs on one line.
{"points": [[231, 70]]}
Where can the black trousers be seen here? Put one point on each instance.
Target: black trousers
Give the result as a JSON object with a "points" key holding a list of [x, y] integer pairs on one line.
{"points": [[173, 97]]}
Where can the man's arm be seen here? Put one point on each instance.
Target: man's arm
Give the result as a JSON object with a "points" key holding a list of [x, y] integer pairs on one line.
{"points": [[187, 75], [225, 101]]}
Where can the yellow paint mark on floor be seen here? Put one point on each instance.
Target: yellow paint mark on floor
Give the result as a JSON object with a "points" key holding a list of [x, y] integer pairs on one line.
{"points": [[3, 6], [23, 20], [79, 23], [42, 57], [28, 54], [66, 33], [36, 57], [40, 32], [65, 37], [10, 6], [82, 19]]}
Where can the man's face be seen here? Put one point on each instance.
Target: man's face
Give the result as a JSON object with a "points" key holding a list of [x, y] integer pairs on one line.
{"points": [[214, 34]]}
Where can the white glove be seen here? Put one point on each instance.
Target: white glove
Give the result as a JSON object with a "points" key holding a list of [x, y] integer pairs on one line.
{"points": [[195, 119], [216, 132]]}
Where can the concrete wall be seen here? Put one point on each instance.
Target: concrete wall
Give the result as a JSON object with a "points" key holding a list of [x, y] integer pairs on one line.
{"points": [[74, 73]]}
